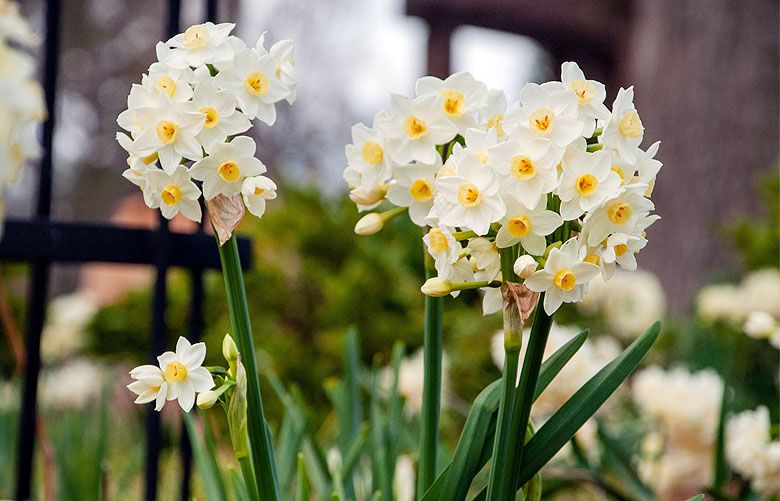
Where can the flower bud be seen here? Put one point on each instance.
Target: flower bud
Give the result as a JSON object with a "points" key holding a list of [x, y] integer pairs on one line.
{"points": [[207, 399], [361, 196], [229, 349], [525, 266], [436, 287], [369, 224]]}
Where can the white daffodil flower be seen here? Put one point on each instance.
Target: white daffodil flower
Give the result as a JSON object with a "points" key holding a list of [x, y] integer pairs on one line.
{"points": [[172, 82], [564, 277], [469, 199], [462, 96], [415, 127], [460, 271], [586, 181], [548, 113], [199, 44], [139, 97], [170, 129], [529, 227], [479, 144], [491, 116], [492, 300], [414, 187], [620, 249], [647, 167], [179, 377], [617, 214], [590, 96], [219, 109], [138, 165], [172, 193], [527, 164], [256, 191], [367, 154], [282, 52], [624, 130], [444, 249], [253, 78], [223, 171]]}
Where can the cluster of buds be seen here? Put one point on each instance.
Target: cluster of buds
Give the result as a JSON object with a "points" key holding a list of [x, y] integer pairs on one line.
{"points": [[557, 177], [22, 106], [191, 106]]}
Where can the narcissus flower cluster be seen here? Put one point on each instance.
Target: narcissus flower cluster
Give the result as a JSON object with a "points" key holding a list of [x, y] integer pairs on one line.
{"points": [[22, 106], [191, 106], [557, 176]]}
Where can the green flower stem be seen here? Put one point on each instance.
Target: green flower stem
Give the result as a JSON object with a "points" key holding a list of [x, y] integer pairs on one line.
{"points": [[463, 235], [512, 343], [521, 410], [262, 456], [431, 404], [594, 147]]}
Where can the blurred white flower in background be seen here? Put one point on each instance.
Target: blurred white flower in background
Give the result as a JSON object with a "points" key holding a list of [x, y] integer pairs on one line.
{"points": [[72, 385], [682, 409], [403, 478], [67, 319], [410, 381], [752, 305], [631, 302], [752, 453]]}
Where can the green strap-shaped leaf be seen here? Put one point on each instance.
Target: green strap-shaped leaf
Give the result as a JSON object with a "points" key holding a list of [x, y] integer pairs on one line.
{"points": [[302, 488], [209, 474], [478, 432], [555, 362], [554, 434]]}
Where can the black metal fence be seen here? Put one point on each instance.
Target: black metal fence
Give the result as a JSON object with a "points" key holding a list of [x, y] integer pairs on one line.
{"points": [[43, 242]]}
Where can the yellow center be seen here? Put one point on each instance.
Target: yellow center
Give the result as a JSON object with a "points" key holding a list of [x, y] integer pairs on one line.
{"points": [[258, 191], [414, 127], [175, 371], [454, 102], [620, 249], [167, 131], [541, 120], [519, 226], [256, 83], [619, 213], [195, 37], [630, 125], [585, 91], [593, 259], [212, 118], [522, 168], [497, 122], [482, 157], [150, 159], [229, 171], [587, 184], [421, 190], [171, 194], [468, 195], [437, 240], [165, 84], [565, 280], [372, 152]]}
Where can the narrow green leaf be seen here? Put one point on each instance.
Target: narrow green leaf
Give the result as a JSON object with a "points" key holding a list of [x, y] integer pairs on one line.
{"points": [[555, 362], [721, 468], [287, 448], [239, 487], [355, 449], [212, 483], [395, 424], [302, 488], [554, 434], [621, 464], [353, 412], [697, 497]]}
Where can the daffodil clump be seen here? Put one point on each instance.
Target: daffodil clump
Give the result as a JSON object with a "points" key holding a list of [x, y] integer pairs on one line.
{"points": [[22, 107], [557, 177], [184, 119]]}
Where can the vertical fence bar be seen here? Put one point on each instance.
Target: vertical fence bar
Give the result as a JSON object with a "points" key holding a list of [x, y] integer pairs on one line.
{"points": [[196, 320], [39, 281], [159, 300]]}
